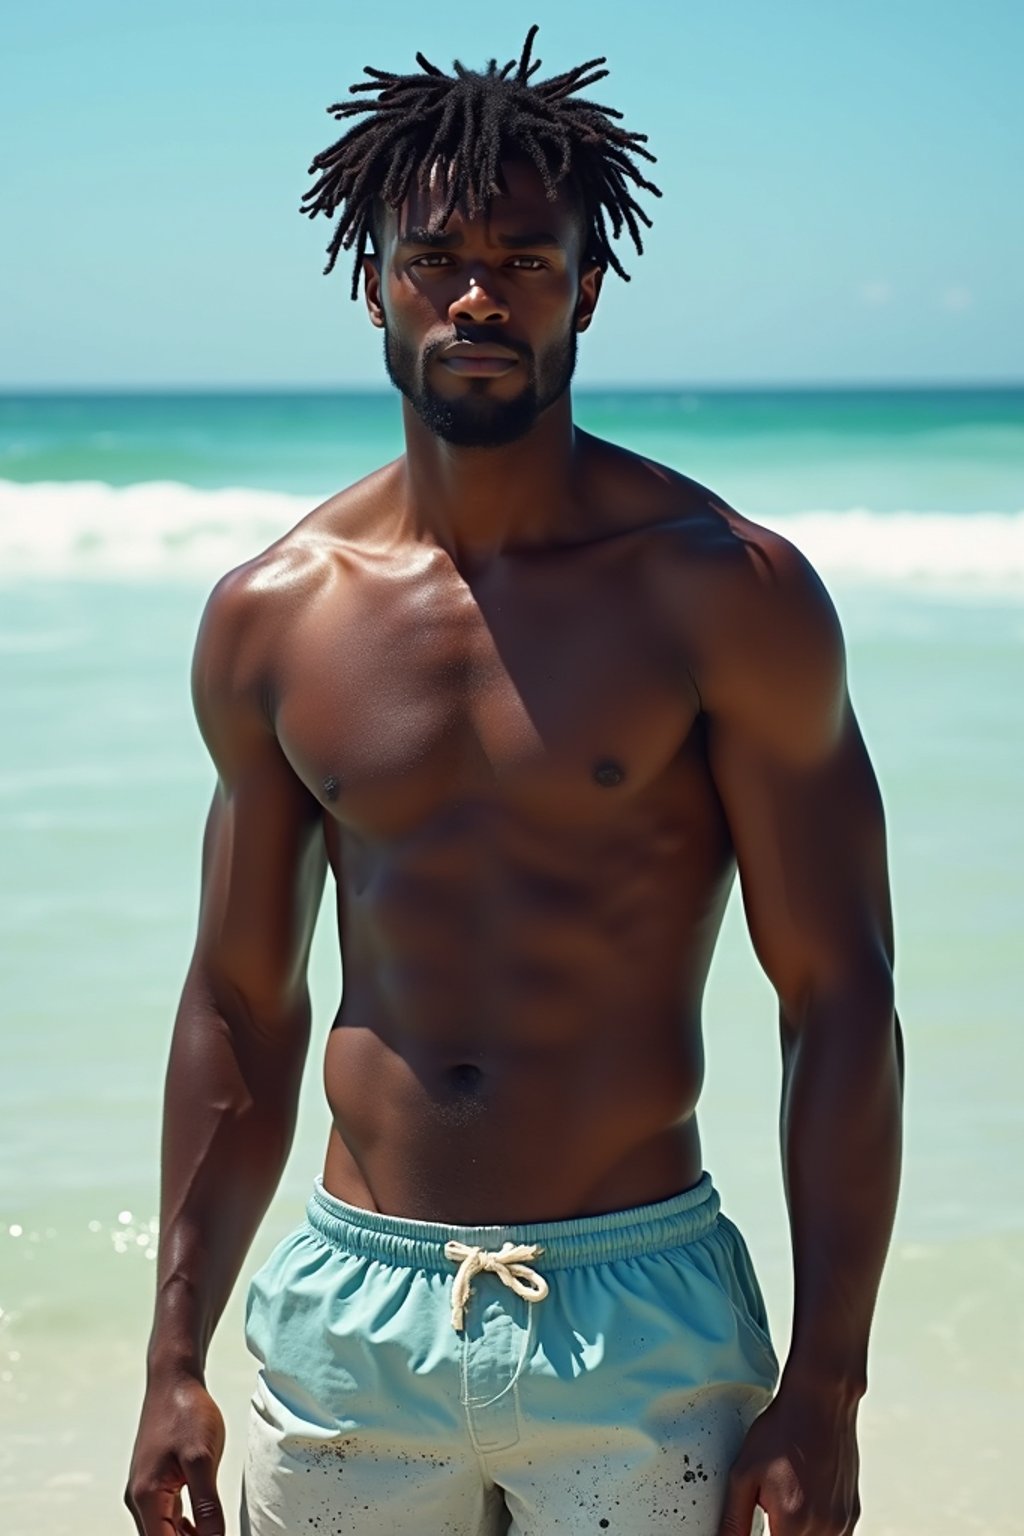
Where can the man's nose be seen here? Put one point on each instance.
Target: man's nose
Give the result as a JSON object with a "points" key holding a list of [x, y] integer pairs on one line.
{"points": [[479, 303]]}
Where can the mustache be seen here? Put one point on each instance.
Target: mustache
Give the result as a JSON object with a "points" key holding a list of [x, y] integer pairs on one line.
{"points": [[480, 335]]}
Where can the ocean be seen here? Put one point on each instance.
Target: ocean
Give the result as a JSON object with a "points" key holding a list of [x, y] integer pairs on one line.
{"points": [[117, 512]]}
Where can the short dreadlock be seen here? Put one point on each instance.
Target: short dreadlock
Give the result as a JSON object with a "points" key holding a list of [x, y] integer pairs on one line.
{"points": [[469, 122]]}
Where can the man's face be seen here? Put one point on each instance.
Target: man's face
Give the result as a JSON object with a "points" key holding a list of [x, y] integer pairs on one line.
{"points": [[480, 320]]}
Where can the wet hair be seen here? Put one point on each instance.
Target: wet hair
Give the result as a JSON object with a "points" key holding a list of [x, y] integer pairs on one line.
{"points": [[468, 122]]}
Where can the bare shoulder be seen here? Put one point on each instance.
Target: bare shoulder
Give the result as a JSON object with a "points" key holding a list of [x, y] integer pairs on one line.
{"points": [[252, 613], [747, 584], [767, 648], [698, 538], [756, 625]]}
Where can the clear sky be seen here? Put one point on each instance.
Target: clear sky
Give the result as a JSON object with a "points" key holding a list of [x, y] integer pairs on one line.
{"points": [[842, 186]]}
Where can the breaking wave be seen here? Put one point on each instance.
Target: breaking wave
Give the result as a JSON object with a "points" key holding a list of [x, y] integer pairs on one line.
{"points": [[164, 531]]}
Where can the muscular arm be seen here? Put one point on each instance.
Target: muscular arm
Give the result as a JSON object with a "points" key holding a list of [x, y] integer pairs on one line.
{"points": [[238, 1048], [806, 820]]}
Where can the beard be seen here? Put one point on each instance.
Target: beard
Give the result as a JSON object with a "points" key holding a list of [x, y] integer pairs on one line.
{"points": [[476, 420]]}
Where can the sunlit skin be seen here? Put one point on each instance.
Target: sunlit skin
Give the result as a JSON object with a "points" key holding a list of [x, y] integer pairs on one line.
{"points": [[532, 705]]}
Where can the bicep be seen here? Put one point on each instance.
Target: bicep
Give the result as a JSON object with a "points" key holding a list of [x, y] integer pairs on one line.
{"points": [[264, 861], [798, 790], [810, 848], [263, 874]]}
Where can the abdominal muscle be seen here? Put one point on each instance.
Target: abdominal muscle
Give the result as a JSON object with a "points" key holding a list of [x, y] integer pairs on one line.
{"points": [[520, 1037], [576, 1103]]}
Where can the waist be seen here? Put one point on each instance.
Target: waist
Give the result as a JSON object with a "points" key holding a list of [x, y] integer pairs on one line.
{"points": [[399, 1240], [500, 1130]]}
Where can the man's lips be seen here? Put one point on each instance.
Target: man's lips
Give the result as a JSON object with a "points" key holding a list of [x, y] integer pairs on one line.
{"points": [[478, 359]]}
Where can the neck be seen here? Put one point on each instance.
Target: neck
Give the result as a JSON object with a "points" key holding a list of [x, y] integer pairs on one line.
{"points": [[478, 503]]}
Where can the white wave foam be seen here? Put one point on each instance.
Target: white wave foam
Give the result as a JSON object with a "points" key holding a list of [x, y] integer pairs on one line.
{"points": [[939, 549], [164, 530], [157, 529]]}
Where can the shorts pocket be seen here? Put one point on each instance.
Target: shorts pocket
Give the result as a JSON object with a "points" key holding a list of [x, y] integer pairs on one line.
{"points": [[744, 1293]]}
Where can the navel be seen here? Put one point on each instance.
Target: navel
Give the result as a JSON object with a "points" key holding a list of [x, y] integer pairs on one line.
{"points": [[608, 773], [465, 1078]]}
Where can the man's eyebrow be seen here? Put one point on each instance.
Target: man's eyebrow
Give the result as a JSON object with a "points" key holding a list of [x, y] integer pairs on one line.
{"points": [[434, 240], [521, 242], [421, 235]]}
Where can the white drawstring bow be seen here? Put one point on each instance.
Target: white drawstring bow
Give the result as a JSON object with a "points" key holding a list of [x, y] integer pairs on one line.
{"points": [[509, 1266]]}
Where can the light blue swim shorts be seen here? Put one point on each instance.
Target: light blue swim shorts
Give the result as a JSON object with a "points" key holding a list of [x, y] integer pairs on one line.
{"points": [[547, 1380]]}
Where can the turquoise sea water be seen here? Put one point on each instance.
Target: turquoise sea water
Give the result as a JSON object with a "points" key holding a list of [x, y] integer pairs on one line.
{"points": [[117, 512]]}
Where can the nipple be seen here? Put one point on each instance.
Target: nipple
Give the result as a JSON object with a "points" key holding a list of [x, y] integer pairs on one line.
{"points": [[608, 773]]}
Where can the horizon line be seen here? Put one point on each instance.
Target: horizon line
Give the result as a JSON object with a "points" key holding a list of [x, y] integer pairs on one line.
{"points": [[831, 386]]}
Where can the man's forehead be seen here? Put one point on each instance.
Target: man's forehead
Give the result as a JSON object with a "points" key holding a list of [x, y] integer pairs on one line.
{"points": [[520, 206]]}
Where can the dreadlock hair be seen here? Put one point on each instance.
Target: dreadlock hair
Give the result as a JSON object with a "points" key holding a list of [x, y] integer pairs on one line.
{"points": [[468, 122]]}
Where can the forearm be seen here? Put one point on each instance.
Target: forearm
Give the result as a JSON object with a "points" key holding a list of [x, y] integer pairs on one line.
{"points": [[841, 1142], [229, 1117]]}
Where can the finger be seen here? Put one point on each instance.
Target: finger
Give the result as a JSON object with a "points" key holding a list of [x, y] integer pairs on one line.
{"points": [[156, 1511], [740, 1503], [207, 1514], [130, 1506]]}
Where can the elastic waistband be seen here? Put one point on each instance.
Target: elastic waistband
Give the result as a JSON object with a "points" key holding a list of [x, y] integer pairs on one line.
{"points": [[584, 1240]]}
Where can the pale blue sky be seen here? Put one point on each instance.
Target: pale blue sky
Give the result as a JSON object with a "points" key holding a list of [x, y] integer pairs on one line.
{"points": [[842, 186]]}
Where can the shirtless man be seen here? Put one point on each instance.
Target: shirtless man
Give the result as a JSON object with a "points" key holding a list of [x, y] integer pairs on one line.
{"points": [[533, 700]]}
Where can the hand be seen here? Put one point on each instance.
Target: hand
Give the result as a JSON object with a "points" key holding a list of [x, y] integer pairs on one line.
{"points": [[179, 1444], [800, 1463]]}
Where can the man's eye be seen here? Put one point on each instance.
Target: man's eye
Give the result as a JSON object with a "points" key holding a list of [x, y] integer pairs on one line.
{"points": [[437, 259], [528, 263]]}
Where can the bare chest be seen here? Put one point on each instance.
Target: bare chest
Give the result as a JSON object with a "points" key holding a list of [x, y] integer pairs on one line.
{"points": [[411, 698]]}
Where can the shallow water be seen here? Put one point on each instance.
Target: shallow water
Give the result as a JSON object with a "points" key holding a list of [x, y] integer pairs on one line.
{"points": [[103, 788]]}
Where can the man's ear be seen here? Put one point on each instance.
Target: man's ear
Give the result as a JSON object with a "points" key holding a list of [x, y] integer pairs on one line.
{"points": [[590, 291], [371, 291]]}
